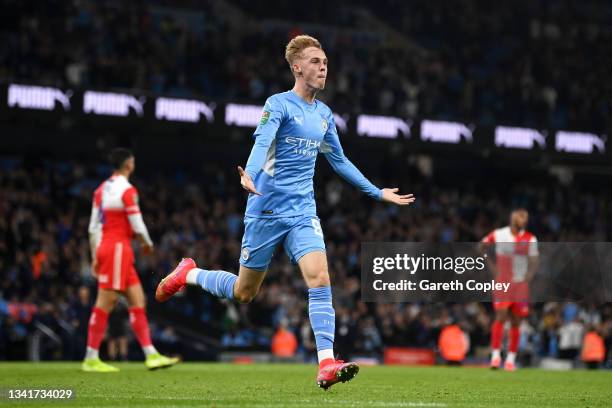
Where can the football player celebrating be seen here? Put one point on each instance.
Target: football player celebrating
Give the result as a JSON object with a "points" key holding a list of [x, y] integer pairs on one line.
{"points": [[294, 128]]}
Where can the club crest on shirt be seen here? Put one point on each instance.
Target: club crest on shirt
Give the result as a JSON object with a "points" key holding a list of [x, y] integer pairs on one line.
{"points": [[264, 117], [324, 125], [245, 254]]}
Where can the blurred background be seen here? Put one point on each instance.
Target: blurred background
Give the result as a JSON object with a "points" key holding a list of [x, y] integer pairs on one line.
{"points": [[475, 107]]}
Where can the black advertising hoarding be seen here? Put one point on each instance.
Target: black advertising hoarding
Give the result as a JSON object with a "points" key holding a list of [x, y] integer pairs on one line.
{"points": [[24, 100]]}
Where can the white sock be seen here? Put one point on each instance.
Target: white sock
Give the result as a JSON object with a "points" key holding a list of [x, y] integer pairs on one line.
{"points": [[511, 357], [495, 354], [192, 276], [324, 354], [148, 350], [91, 353]]}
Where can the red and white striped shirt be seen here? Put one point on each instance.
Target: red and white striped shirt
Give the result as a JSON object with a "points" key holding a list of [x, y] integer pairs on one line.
{"points": [[512, 252], [115, 213]]}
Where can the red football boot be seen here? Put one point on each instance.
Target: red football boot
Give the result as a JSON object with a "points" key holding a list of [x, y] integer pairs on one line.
{"points": [[175, 281], [495, 363], [509, 366], [335, 372]]}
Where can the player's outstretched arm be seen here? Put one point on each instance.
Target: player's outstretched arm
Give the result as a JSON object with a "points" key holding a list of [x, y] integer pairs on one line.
{"points": [[391, 195], [332, 149]]}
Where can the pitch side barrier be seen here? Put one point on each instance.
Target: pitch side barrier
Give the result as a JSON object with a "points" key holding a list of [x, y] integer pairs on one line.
{"points": [[22, 101], [471, 272]]}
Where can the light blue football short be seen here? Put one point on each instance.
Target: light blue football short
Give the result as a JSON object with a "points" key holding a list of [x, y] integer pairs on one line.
{"points": [[299, 236]]}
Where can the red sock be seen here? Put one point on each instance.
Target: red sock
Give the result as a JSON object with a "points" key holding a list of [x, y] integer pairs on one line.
{"points": [[140, 325], [497, 334], [326, 362], [97, 327], [514, 339]]}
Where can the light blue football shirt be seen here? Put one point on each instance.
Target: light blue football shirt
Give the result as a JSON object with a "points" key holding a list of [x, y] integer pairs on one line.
{"points": [[288, 139]]}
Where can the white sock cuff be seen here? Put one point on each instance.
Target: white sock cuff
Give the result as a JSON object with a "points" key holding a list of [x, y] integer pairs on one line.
{"points": [[325, 354], [192, 276], [148, 350], [91, 353]]}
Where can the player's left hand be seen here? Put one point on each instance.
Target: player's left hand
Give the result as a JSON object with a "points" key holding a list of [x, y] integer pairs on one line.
{"points": [[390, 195]]}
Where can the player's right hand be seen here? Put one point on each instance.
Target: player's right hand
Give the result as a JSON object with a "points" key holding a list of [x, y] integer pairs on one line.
{"points": [[247, 182]]}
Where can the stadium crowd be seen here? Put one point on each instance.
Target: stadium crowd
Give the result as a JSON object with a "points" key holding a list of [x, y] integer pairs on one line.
{"points": [[517, 62], [45, 265]]}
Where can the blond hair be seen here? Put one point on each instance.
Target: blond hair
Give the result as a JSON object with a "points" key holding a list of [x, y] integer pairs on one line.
{"points": [[297, 45]]}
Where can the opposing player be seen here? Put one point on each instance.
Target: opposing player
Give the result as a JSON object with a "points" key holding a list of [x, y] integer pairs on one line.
{"points": [[115, 218], [516, 252], [281, 209]]}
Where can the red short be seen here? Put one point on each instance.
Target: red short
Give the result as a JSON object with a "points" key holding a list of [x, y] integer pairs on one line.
{"points": [[116, 266], [519, 309]]}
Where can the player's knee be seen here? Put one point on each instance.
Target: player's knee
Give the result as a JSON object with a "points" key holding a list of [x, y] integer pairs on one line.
{"points": [[140, 301], [501, 315], [106, 301], [243, 298], [319, 279], [140, 304], [244, 295], [106, 304]]}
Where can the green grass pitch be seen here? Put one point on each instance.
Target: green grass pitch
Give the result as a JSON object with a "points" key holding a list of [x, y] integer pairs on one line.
{"points": [[293, 385]]}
